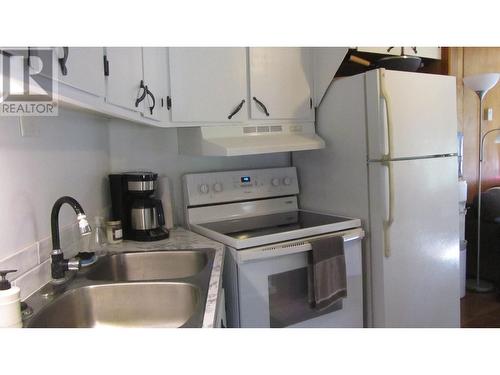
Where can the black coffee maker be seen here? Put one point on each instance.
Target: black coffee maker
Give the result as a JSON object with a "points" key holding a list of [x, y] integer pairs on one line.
{"points": [[133, 203]]}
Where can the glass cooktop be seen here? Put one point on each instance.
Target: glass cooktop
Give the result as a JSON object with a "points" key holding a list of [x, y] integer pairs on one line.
{"points": [[258, 226]]}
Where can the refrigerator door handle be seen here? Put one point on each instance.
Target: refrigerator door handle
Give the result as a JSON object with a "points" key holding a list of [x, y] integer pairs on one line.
{"points": [[388, 118], [386, 161], [390, 210]]}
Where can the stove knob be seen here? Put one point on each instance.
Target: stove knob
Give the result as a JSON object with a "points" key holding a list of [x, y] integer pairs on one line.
{"points": [[287, 181], [217, 187], [275, 182], [204, 189]]}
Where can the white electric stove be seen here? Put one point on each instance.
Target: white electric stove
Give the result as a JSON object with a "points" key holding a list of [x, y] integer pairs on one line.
{"points": [[256, 214]]}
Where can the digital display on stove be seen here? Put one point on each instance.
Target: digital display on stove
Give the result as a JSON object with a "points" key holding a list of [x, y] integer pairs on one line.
{"points": [[245, 179]]}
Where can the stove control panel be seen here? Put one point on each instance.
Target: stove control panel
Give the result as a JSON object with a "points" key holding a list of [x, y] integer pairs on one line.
{"points": [[234, 186]]}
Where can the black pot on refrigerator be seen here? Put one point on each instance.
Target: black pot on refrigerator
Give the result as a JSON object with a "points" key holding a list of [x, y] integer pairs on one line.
{"points": [[133, 202]]}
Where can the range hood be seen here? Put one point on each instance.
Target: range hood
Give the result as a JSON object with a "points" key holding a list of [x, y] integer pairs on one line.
{"points": [[248, 139]]}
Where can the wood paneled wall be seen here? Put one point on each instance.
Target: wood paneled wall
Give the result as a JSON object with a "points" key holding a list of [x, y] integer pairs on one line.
{"points": [[463, 62]]}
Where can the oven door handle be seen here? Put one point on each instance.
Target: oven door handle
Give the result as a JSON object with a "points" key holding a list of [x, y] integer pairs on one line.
{"points": [[290, 247]]}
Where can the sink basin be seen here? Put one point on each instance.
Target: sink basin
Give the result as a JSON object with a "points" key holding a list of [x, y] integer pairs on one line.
{"points": [[153, 304], [166, 288], [154, 265]]}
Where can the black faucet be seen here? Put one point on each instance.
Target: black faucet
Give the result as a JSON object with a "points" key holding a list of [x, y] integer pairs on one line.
{"points": [[60, 265]]}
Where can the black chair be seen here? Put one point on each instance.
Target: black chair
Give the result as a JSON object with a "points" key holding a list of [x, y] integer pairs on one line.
{"points": [[490, 237]]}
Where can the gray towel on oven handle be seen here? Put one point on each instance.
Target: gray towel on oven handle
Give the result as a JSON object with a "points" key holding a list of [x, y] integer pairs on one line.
{"points": [[327, 281]]}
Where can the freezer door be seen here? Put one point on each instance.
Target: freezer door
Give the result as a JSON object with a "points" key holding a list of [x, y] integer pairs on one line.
{"points": [[417, 284], [419, 109]]}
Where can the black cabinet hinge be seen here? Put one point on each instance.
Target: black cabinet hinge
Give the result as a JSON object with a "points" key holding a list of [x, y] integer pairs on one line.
{"points": [[62, 61], [169, 102], [28, 61], [106, 66]]}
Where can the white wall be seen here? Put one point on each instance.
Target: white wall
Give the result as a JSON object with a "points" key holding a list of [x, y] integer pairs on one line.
{"points": [[135, 147], [69, 157]]}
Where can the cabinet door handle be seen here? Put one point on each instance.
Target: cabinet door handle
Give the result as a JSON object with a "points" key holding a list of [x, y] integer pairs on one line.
{"points": [[236, 110], [261, 105], [153, 98], [144, 92], [62, 61]]}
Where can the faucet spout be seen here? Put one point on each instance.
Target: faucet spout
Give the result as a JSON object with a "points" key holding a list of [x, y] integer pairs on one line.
{"points": [[60, 265]]}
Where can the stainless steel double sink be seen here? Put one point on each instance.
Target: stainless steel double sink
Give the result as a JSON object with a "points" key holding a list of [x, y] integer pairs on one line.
{"points": [[134, 289]]}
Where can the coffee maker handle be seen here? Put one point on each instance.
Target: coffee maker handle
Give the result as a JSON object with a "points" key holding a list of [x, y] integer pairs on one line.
{"points": [[161, 215]]}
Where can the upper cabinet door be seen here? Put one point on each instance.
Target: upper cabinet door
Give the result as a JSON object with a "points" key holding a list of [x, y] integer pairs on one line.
{"points": [[125, 75], [155, 67], [208, 84], [380, 50], [280, 83], [428, 52], [82, 68]]}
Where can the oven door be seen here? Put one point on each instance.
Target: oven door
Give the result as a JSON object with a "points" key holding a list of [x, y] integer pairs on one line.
{"points": [[271, 288]]}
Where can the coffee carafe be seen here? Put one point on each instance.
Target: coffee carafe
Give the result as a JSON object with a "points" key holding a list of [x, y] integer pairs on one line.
{"points": [[133, 202]]}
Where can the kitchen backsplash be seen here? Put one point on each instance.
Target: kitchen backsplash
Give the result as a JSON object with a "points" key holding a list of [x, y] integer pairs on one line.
{"points": [[33, 262], [72, 154]]}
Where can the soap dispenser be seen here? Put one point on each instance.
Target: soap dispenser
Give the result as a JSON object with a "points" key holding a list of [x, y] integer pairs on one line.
{"points": [[10, 303]]}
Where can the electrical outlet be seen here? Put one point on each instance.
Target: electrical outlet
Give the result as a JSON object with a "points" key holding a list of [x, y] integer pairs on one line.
{"points": [[29, 128], [488, 114]]}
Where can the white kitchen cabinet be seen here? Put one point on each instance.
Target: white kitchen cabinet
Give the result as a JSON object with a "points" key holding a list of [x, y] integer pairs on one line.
{"points": [[123, 83], [81, 68], [380, 50], [326, 62], [208, 84], [280, 83], [427, 52], [155, 76]]}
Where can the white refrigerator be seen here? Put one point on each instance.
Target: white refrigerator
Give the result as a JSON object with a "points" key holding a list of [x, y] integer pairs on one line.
{"points": [[390, 159]]}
